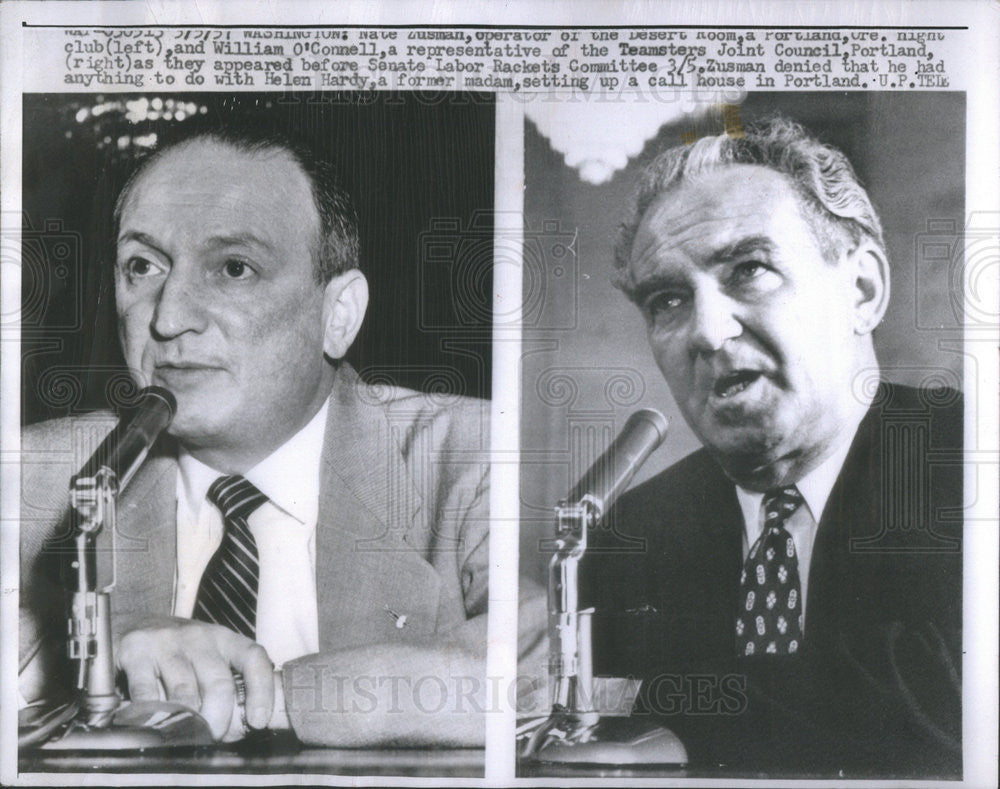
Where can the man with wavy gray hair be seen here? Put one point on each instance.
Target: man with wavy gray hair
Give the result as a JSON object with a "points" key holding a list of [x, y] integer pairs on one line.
{"points": [[797, 598]]}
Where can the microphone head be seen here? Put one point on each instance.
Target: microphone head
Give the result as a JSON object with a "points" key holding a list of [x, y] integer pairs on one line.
{"points": [[153, 396], [653, 417], [125, 447], [611, 473]]}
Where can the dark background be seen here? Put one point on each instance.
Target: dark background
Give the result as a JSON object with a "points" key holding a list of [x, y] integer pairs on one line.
{"points": [[420, 170], [586, 362]]}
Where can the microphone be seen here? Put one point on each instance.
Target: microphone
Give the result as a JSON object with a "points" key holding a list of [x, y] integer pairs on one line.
{"points": [[96, 719], [123, 451], [575, 733], [613, 471]]}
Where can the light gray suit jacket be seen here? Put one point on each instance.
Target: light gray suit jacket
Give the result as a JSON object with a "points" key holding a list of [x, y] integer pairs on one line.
{"points": [[403, 526]]}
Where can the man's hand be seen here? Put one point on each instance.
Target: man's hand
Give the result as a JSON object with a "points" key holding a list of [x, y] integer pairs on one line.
{"points": [[194, 663]]}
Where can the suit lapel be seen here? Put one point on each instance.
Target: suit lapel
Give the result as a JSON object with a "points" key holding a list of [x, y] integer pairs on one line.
{"points": [[146, 548], [836, 576], [697, 578], [366, 572], [717, 554]]}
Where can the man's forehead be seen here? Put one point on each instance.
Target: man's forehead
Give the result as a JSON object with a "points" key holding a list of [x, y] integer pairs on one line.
{"points": [[713, 209], [217, 172]]}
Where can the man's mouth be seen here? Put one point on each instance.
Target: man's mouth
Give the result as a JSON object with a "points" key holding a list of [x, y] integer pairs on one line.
{"points": [[731, 384], [182, 374], [183, 365]]}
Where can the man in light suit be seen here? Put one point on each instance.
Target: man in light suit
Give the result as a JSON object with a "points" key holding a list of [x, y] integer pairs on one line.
{"points": [[352, 596], [791, 594]]}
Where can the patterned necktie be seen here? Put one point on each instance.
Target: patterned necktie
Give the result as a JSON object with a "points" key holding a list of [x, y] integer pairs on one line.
{"points": [[769, 621], [227, 594]]}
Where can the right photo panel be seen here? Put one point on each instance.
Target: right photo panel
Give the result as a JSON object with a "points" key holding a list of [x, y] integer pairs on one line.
{"points": [[741, 487]]}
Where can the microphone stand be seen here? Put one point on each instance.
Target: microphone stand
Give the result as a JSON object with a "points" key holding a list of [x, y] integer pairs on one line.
{"points": [[103, 721], [575, 734]]}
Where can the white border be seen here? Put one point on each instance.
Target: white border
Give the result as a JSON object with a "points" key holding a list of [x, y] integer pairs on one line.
{"points": [[506, 441]]}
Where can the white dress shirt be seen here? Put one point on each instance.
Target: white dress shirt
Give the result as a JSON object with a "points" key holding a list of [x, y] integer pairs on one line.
{"points": [[815, 488], [284, 529]]}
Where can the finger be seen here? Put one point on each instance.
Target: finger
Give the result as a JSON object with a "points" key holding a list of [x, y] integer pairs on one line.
{"points": [[237, 731], [143, 684], [258, 676], [180, 681], [218, 693], [136, 660]]}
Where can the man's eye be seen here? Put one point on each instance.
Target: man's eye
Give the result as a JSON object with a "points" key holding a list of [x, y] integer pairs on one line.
{"points": [[748, 270], [755, 275], [138, 267], [663, 306], [236, 269]]}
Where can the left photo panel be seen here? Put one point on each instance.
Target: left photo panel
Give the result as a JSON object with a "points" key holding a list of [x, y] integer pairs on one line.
{"points": [[256, 367]]}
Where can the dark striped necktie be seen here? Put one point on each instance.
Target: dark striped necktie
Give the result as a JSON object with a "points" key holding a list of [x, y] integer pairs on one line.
{"points": [[769, 621], [227, 594]]}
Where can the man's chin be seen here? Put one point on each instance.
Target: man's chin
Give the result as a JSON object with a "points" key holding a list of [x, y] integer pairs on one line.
{"points": [[190, 436], [740, 428], [750, 458], [741, 415], [195, 426]]}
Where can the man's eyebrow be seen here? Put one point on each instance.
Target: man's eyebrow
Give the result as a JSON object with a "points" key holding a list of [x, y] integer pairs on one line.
{"points": [[237, 240], [215, 242], [745, 246], [137, 235]]}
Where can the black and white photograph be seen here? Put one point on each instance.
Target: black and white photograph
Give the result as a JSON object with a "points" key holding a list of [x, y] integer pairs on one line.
{"points": [[769, 290], [588, 393], [283, 540]]}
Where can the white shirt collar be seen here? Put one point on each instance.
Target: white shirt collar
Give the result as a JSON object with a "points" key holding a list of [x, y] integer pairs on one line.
{"points": [[289, 476], [815, 487]]}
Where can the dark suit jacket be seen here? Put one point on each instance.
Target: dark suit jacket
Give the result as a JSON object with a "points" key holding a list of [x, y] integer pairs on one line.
{"points": [[876, 689], [403, 524]]}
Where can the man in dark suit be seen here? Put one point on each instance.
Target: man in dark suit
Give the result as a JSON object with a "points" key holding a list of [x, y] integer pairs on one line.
{"points": [[351, 596], [791, 594]]}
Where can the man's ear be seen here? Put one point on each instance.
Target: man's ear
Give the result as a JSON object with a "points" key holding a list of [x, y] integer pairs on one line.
{"points": [[870, 273], [344, 303]]}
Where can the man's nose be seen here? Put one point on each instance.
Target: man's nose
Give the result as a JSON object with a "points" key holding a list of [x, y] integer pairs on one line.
{"points": [[179, 305], [713, 321]]}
